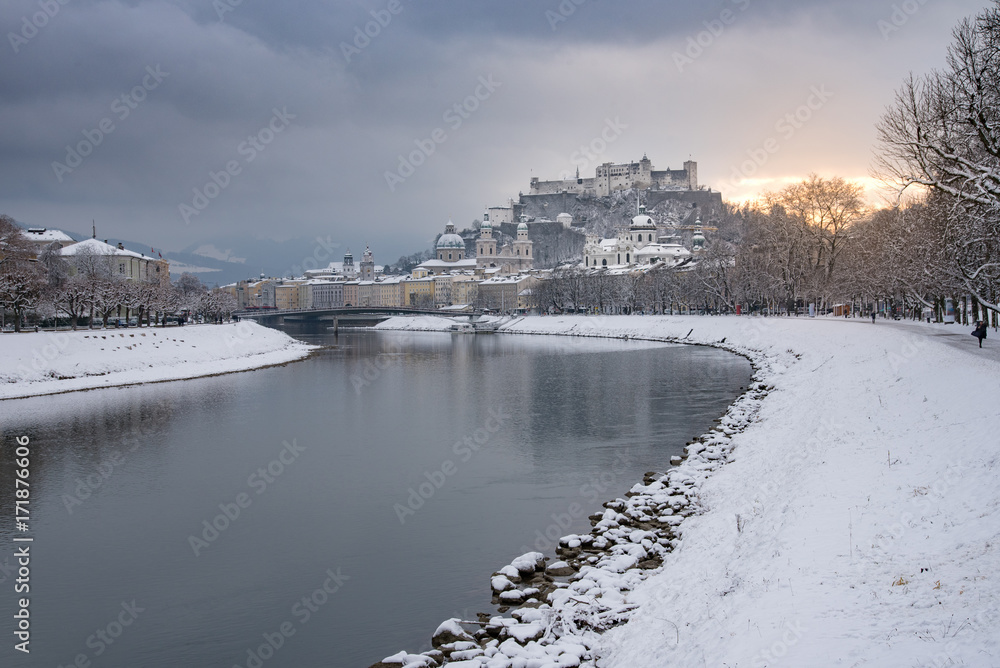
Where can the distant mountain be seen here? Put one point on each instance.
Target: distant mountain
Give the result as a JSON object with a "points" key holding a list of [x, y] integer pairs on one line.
{"points": [[209, 250], [234, 259]]}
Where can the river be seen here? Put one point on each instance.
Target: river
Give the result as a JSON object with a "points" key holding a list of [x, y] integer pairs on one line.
{"points": [[341, 506]]}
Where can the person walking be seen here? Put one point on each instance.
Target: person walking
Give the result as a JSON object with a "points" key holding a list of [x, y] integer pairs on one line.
{"points": [[873, 317], [980, 332]]}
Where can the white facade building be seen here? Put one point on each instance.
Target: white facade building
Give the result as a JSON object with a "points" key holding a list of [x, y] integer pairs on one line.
{"points": [[641, 244]]}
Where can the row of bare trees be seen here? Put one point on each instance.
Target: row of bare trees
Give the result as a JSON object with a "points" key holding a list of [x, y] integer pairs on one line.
{"points": [[779, 252], [941, 138], [48, 287], [814, 242]]}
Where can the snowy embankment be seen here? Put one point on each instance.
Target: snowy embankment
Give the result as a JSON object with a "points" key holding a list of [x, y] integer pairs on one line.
{"points": [[845, 511], [51, 362], [431, 323], [418, 323]]}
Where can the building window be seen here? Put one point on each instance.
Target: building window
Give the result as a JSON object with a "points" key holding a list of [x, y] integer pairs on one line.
{"points": [[604, 263], [627, 260], [121, 268]]}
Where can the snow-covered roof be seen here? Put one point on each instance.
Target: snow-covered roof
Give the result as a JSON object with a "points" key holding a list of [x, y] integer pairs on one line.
{"points": [[95, 247], [445, 264], [42, 235], [642, 221], [664, 250], [451, 241], [514, 278]]}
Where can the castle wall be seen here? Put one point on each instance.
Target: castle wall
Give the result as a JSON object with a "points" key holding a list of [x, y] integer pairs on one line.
{"points": [[708, 201], [610, 177], [501, 214], [575, 186], [675, 179]]}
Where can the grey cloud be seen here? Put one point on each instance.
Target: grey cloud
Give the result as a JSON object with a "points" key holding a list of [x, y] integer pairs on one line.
{"points": [[354, 119]]}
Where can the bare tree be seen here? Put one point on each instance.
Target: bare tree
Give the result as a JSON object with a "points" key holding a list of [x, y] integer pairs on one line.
{"points": [[73, 297], [827, 208], [107, 295], [942, 133], [21, 281], [190, 290], [217, 305], [165, 299], [20, 289]]}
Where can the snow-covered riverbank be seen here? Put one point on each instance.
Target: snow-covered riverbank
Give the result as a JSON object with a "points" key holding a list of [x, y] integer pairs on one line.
{"points": [[33, 364], [856, 520]]}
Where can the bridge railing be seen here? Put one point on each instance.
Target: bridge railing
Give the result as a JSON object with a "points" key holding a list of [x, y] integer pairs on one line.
{"points": [[350, 310]]}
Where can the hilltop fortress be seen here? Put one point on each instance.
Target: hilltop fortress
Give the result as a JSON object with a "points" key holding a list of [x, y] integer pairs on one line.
{"points": [[560, 213], [610, 177]]}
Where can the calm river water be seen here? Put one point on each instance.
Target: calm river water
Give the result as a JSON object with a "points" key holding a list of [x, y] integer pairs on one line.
{"points": [[396, 470]]}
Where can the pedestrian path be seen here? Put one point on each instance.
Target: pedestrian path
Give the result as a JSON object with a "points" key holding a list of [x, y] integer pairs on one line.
{"points": [[956, 336]]}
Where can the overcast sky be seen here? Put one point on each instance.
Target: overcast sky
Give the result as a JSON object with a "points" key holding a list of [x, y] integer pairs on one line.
{"points": [[161, 95]]}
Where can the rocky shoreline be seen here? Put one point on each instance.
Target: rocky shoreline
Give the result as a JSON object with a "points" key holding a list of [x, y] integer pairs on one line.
{"points": [[560, 606]]}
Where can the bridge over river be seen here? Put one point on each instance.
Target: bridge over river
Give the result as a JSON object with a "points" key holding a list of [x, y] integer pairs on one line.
{"points": [[348, 316]]}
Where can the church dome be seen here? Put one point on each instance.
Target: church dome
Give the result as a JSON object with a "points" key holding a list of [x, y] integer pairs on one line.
{"points": [[522, 227], [451, 241], [486, 225], [642, 220]]}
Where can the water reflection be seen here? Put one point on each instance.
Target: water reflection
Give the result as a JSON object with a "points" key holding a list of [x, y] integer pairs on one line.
{"points": [[481, 441]]}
